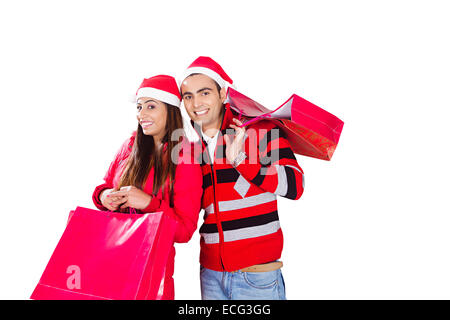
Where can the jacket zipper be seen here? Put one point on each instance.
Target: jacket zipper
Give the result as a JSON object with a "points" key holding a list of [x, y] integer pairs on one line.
{"points": [[216, 211], [213, 177]]}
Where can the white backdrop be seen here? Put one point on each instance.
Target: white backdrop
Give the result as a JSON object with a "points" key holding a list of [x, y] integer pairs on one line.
{"points": [[373, 223]]}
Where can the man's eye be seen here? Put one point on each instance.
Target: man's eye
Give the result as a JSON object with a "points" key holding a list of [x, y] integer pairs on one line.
{"points": [[205, 93], [187, 97]]}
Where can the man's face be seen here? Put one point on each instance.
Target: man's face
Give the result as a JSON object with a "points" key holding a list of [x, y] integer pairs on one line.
{"points": [[203, 101]]}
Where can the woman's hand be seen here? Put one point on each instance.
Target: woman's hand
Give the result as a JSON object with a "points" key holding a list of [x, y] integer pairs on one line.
{"points": [[132, 197], [111, 203], [235, 147]]}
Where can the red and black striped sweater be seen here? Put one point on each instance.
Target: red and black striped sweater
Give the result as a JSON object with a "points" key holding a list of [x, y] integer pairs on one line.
{"points": [[241, 226]]}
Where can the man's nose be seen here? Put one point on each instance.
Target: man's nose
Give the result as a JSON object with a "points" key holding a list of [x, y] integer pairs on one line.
{"points": [[196, 101]]}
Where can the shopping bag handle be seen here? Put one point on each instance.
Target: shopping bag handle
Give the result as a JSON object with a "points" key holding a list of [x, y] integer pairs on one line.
{"points": [[266, 115]]}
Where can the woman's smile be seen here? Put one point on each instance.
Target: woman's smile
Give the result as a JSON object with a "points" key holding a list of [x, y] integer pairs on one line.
{"points": [[146, 124]]}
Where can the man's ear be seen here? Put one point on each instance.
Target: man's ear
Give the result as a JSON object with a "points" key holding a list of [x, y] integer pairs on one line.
{"points": [[223, 94]]}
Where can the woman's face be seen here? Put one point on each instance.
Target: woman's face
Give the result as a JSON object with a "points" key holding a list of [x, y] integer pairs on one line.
{"points": [[152, 117]]}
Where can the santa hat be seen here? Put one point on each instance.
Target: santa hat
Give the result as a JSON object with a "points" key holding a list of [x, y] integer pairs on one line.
{"points": [[207, 66], [163, 88]]}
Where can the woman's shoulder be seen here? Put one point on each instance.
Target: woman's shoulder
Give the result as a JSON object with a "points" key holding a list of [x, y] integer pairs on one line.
{"points": [[128, 143], [127, 146]]}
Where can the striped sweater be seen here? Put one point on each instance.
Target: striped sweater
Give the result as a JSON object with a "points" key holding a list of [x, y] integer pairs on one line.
{"points": [[241, 227]]}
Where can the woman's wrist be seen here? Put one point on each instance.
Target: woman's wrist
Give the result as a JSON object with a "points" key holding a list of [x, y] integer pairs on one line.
{"points": [[150, 198], [153, 205]]}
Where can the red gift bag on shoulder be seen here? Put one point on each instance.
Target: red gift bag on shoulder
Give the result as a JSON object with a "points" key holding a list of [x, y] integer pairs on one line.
{"points": [[311, 131], [108, 255]]}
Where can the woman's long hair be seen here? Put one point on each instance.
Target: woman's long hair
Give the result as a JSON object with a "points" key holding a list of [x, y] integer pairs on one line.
{"points": [[146, 155]]}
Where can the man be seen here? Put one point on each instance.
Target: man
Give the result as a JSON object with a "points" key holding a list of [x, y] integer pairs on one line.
{"points": [[243, 171]]}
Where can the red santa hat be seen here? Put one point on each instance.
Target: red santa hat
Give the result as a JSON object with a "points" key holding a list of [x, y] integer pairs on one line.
{"points": [[207, 66], [163, 88]]}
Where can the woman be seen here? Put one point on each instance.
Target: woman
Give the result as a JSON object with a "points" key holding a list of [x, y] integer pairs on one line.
{"points": [[150, 173]]}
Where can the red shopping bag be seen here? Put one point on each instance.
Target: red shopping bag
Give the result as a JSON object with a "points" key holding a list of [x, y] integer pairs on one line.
{"points": [[108, 255], [311, 131]]}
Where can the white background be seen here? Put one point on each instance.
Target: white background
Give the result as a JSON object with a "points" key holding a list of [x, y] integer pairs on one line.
{"points": [[373, 223]]}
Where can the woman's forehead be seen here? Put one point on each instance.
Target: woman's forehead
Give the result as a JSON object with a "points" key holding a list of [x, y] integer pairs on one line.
{"points": [[144, 100]]}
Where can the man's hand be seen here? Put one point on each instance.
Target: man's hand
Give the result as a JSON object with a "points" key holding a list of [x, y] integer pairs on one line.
{"points": [[132, 197], [235, 147]]}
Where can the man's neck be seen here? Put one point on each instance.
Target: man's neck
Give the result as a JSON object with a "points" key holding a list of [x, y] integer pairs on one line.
{"points": [[210, 131]]}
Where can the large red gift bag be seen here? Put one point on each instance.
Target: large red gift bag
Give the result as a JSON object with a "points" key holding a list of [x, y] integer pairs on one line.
{"points": [[311, 131], [108, 255]]}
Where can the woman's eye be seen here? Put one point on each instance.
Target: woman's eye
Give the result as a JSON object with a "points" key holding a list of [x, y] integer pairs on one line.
{"points": [[150, 107], [139, 108]]}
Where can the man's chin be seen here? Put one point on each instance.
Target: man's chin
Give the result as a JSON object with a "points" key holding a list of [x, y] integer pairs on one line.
{"points": [[200, 122]]}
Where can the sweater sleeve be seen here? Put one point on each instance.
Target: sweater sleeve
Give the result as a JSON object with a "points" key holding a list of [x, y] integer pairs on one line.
{"points": [[271, 163], [96, 195]]}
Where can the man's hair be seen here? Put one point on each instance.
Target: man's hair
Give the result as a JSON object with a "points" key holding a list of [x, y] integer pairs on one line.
{"points": [[217, 85]]}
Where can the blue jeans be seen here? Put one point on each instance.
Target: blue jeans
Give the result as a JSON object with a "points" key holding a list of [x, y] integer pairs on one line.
{"points": [[239, 285]]}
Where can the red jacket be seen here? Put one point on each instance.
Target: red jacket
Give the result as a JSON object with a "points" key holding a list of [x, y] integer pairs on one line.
{"points": [[241, 226], [187, 199]]}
